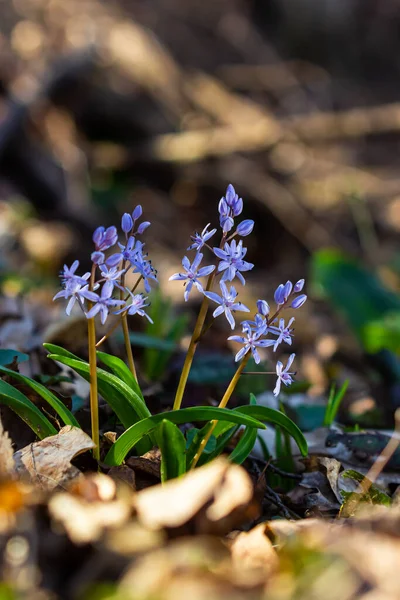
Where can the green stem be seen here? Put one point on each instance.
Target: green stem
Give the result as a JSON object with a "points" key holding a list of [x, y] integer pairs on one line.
{"points": [[94, 398], [229, 391], [198, 328]]}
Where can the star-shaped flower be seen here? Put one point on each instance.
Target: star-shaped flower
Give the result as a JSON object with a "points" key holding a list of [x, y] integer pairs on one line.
{"points": [[227, 303], [283, 374], [192, 274], [103, 303], [250, 342], [200, 239], [231, 261], [284, 332]]}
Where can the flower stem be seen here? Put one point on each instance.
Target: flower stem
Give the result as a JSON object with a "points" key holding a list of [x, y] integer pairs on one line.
{"points": [[94, 398], [198, 328], [226, 397]]}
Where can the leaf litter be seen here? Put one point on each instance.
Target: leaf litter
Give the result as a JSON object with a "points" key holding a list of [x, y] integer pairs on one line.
{"points": [[203, 535]]}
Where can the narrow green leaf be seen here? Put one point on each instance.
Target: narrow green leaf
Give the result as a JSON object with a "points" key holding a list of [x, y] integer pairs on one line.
{"points": [[119, 368], [26, 410], [65, 415], [131, 436], [244, 446], [172, 445], [196, 440], [125, 404], [222, 441], [60, 351], [334, 402], [263, 413]]}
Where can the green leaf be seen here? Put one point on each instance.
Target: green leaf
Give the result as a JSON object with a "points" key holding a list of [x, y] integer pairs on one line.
{"points": [[131, 436], [119, 368], [263, 413], [334, 401], [383, 333], [172, 445], [65, 415], [222, 441], [194, 439], [7, 356], [60, 351], [244, 446], [26, 410], [126, 404]]}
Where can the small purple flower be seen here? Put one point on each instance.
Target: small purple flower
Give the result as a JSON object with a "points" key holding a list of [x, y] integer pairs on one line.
{"points": [[282, 293], [126, 223], [231, 261], [128, 253], [137, 213], [98, 257], [103, 303], [142, 227], [144, 267], [138, 303], [299, 301], [298, 286], [283, 374], [263, 308], [74, 290], [225, 219], [233, 200], [200, 239], [284, 332], [192, 273], [245, 227], [105, 238], [251, 341], [227, 303], [68, 273], [112, 276], [259, 325]]}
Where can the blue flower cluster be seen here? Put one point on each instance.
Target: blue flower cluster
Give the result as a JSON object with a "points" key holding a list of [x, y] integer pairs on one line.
{"points": [[265, 330], [111, 271]]}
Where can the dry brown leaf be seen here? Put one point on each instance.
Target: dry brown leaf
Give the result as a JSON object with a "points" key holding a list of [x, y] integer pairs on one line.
{"points": [[216, 496], [253, 556], [7, 466], [48, 463]]}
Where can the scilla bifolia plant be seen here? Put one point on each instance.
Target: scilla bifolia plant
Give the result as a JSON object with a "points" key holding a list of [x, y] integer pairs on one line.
{"points": [[103, 292]]}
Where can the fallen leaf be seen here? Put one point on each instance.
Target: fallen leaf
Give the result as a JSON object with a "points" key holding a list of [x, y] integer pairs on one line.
{"points": [[48, 463], [7, 466], [253, 556], [213, 498]]}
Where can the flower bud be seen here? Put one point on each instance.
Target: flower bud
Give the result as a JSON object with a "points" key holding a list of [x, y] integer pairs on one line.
{"points": [[230, 195], [299, 301], [263, 307], [245, 227], [226, 223], [223, 208], [143, 226], [137, 213], [98, 235], [126, 223], [288, 289], [114, 260], [237, 206], [97, 258], [279, 295], [299, 286]]}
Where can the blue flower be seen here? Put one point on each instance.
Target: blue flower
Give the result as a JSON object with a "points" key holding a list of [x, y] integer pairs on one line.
{"points": [[284, 332], [111, 276], [200, 239], [263, 308], [105, 238], [103, 303], [231, 261], [299, 286], [128, 253], [282, 293], [250, 342], [299, 301], [126, 223], [144, 267], [68, 273], [227, 303], [138, 303], [259, 325], [192, 274], [245, 227], [76, 291], [233, 200], [283, 374]]}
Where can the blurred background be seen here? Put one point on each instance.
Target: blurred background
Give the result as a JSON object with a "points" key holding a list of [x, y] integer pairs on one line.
{"points": [[108, 104]]}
